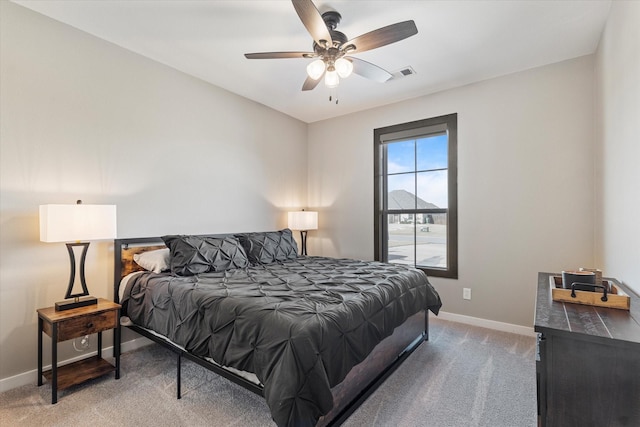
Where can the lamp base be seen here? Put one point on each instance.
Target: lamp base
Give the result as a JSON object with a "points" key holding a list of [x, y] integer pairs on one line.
{"points": [[76, 303], [303, 241]]}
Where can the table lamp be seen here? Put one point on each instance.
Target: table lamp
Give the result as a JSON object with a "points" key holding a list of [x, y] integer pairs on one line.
{"points": [[76, 224], [303, 221]]}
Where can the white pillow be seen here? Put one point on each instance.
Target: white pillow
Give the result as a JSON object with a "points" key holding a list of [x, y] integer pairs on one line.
{"points": [[156, 261]]}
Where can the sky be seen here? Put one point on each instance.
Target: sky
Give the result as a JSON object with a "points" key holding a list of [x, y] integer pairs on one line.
{"points": [[427, 172]]}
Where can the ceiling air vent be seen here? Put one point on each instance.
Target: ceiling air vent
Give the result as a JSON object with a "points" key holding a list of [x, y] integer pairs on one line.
{"points": [[402, 73]]}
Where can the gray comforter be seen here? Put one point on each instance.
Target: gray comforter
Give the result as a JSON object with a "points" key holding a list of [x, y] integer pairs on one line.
{"points": [[299, 325]]}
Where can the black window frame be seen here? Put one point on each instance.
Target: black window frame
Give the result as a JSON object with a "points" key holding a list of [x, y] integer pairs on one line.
{"points": [[380, 138]]}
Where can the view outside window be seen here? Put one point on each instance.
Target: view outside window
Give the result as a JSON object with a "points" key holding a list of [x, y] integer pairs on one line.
{"points": [[415, 192], [417, 182]]}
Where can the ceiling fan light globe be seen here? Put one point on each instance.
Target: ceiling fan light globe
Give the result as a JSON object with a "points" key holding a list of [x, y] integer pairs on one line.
{"points": [[331, 79], [315, 69], [344, 67]]}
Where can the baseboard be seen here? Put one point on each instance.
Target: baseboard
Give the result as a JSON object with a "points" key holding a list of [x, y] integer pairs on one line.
{"points": [[31, 377], [490, 324]]}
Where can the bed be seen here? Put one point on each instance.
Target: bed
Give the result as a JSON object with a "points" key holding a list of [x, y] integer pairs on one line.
{"points": [[313, 335]]}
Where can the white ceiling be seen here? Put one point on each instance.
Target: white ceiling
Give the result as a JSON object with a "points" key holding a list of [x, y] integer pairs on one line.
{"points": [[458, 42]]}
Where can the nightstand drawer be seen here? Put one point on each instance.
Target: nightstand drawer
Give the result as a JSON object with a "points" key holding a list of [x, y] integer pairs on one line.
{"points": [[87, 325]]}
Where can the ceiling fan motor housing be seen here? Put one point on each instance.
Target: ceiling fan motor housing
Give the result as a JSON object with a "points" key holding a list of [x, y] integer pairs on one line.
{"points": [[331, 19], [338, 40]]}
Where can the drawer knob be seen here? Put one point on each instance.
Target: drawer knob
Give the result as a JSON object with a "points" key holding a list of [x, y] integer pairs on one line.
{"points": [[90, 325]]}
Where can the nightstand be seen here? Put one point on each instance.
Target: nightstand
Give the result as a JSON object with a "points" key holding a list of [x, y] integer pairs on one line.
{"points": [[74, 323]]}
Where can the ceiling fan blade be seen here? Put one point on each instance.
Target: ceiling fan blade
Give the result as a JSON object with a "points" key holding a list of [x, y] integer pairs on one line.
{"points": [[369, 70], [310, 84], [381, 37], [313, 21], [278, 55]]}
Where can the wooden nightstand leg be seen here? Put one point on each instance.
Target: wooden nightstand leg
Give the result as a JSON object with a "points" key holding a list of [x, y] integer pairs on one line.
{"points": [[54, 365], [39, 351]]}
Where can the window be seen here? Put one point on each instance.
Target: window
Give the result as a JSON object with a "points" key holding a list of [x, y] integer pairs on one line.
{"points": [[416, 221]]}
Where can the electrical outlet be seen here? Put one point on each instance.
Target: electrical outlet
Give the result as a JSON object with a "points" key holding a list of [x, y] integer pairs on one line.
{"points": [[84, 342], [466, 293], [81, 344]]}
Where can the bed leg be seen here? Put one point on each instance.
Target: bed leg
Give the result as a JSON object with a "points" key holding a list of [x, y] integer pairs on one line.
{"points": [[178, 383], [426, 324]]}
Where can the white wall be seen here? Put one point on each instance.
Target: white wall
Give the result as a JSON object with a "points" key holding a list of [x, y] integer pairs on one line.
{"points": [[617, 156], [85, 119], [525, 183]]}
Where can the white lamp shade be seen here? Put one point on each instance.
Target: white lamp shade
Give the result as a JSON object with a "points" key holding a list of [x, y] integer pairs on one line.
{"points": [[344, 67], [316, 69], [74, 223], [331, 79], [303, 220]]}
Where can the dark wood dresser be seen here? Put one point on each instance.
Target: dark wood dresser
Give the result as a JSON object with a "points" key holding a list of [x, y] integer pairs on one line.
{"points": [[588, 362]]}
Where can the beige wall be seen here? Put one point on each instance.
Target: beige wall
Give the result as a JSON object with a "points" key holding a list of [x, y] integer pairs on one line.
{"points": [[525, 183], [617, 158], [85, 119]]}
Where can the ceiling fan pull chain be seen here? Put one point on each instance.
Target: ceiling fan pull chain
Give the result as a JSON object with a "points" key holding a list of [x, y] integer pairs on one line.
{"points": [[333, 93]]}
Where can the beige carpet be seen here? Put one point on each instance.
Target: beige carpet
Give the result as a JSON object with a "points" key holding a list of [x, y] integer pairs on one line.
{"points": [[463, 376]]}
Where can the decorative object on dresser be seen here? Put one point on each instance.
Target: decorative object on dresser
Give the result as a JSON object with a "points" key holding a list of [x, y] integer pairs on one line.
{"points": [[303, 221], [594, 291], [74, 323], [77, 223], [588, 361]]}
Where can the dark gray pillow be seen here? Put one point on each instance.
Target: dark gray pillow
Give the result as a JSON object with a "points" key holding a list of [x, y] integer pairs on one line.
{"points": [[269, 246], [191, 255]]}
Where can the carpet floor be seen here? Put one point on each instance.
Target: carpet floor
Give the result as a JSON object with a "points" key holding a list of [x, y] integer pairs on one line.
{"points": [[463, 376]]}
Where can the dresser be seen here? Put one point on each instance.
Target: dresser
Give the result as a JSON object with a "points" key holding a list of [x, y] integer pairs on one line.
{"points": [[588, 362]]}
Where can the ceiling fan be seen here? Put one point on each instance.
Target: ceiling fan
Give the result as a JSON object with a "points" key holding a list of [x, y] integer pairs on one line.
{"points": [[332, 49]]}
